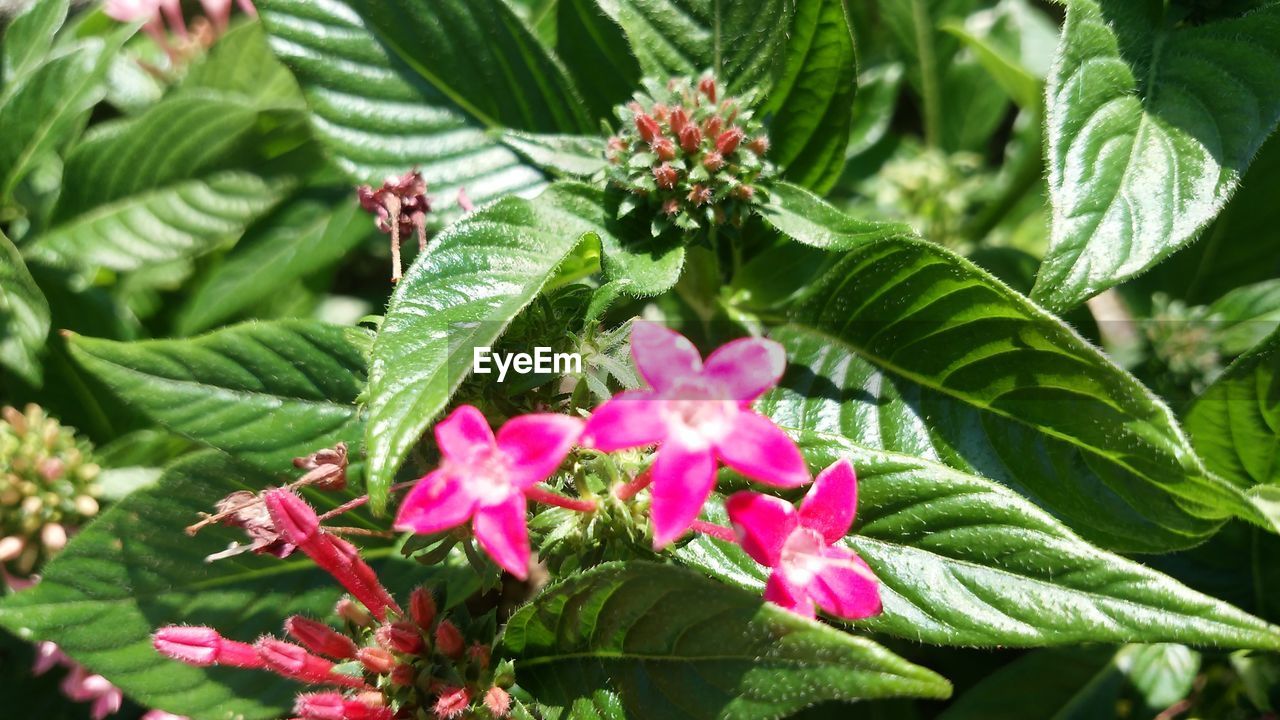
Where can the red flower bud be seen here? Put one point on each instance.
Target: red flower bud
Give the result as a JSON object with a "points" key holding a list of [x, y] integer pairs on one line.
{"points": [[712, 161], [671, 206], [320, 638], [690, 138], [203, 646], [679, 119], [376, 660], [404, 675], [729, 140], [759, 145], [661, 112], [647, 126], [293, 661], [498, 701], [452, 703], [700, 195], [449, 640], [665, 149], [400, 637], [666, 176], [422, 606], [320, 706], [353, 613], [711, 126], [708, 87], [744, 192], [479, 654]]}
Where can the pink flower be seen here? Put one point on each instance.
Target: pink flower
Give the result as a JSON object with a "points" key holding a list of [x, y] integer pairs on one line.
{"points": [[162, 715], [203, 646], [485, 479], [453, 702], [800, 547], [697, 412], [129, 11], [82, 686]]}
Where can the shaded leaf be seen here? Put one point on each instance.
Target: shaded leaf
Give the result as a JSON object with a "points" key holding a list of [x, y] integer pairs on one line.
{"points": [[24, 316], [29, 37], [810, 220], [241, 62], [597, 55], [572, 155]]}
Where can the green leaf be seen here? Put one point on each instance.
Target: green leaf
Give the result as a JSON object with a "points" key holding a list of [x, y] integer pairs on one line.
{"points": [[1059, 683], [571, 155], [171, 184], [1245, 316], [812, 100], [742, 43], [1010, 42], [1235, 423], [476, 276], [874, 106], [133, 571], [810, 220], [663, 642], [596, 54], [305, 235], [241, 63], [24, 316], [965, 561], [379, 116], [988, 380], [263, 392], [41, 112], [1152, 122], [28, 39]]}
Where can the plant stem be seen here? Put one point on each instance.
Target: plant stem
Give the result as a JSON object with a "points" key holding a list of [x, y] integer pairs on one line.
{"points": [[357, 502], [626, 491], [929, 89], [718, 532], [539, 493]]}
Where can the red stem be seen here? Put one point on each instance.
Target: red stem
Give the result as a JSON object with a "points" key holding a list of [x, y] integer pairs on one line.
{"points": [[718, 532], [538, 493], [626, 491], [357, 502]]}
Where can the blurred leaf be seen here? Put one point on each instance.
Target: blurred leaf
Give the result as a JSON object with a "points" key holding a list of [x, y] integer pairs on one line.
{"points": [[308, 233], [662, 642], [1163, 674], [1152, 122], [1011, 41], [1058, 684], [29, 38], [596, 54], [1245, 316], [873, 108], [24, 316], [264, 392], [572, 155], [241, 63]]}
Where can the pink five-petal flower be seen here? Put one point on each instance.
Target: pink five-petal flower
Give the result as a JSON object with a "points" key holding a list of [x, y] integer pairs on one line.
{"points": [[484, 478], [808, 568], [698, 412]]}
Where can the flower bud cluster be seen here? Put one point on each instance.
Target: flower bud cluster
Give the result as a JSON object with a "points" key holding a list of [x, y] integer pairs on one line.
{"points": [[692, 157], [47, 487]]}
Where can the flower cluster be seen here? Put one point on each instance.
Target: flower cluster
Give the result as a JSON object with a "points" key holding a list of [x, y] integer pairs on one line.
{"points": [[698, 413], [693, 157], [400, 207], [384, 662], [47, 487], [179, 42]]}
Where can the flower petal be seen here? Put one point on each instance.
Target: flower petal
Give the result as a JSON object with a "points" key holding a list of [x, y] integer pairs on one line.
{"points": [[460, 433], [663, 356], [756, 448], [682, 480], [829, 505], [629, 419], [762, 524], [782, 593], [537, 444], [846, 587], [502, 532], [746, 367], [438, 502]]}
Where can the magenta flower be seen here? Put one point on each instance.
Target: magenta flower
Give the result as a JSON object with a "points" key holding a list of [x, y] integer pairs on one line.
{"points": [[697, 412], [800, 547], [485, 479]]}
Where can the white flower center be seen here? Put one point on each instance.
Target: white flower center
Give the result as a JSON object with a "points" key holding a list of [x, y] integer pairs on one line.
{"points": [[697, 413], [802, 559], [486, 473]]}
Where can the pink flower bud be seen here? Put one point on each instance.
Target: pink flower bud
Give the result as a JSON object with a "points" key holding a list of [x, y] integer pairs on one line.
{"points": [[400, 637], [479, 654], [700, 195], [729, 140], [661, 112], [320, 638], [404, 675], [422, 606], [293, 661], [647, 126], [320, 706], [376, 660], [744, 192], [452, 703], [449, 640], [203, 646], [671, 206], [353, 613], [690, 138], [664, 148], [497, 701], [666, 176], [712, 161], [679, 119], [708, 87], [759, 145], [363, 710], [712, 125]]}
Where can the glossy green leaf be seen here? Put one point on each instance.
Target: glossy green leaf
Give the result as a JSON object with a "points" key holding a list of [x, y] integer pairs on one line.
{"points": [[571, 155], [1012, 42], [874, 106], [306, 234], [168, 185], [965, 561], [133, 571], [812, 100], [989, 380], [1152, 121], [1245, 316], [597, 55], [459, 295], [810, 220], [264, 392], [24, 316], [1235, 423], [29, 37], [668, 643], [740, 42], [241, 63]]}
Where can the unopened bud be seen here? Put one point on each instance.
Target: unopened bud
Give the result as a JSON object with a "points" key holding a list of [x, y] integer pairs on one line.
{"points": [[350, 611], [86, 506], [479, 654], [712, 161], [708, 87], [666, 176], [203, 646], [320, 706], [320, 638], [422, 607], [647, 127], [294, 662], [729, 140], [759, 145], [497, 701], [53, 536], [664, 148], [690, 138], [700, 195], [404, 675], [449, 640], [711, 126], [11, 547], [679, 119], [670, 206], [452, 703], [400, 637], [744, 192], [376, 660]]}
